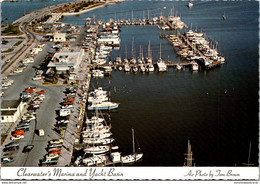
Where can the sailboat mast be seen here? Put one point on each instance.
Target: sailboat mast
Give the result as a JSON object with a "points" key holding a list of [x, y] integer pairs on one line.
{"points": [[125, 51], [160, 50], [140, 54], [133, 137], [248, 160], [133, 47], [149, 50]]}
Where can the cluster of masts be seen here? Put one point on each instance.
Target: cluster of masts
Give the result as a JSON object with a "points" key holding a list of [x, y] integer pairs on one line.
{"points": [[98, 149]]}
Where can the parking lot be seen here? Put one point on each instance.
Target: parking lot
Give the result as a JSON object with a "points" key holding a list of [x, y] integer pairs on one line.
{"points": [[45, 117]]}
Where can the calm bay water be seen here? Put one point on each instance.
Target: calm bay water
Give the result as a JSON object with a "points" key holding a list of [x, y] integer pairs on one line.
{"points": [[217, 110]]}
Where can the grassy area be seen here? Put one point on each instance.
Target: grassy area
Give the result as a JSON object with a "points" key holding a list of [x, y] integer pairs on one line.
{"points": [[11, 31], [9, 50], [18, 43]]}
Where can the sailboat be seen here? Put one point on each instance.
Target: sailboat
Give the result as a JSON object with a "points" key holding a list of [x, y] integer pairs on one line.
{"points": [[133, 60], [134, 157], [149, 67], [126, 62], [161, 64], [248, 159], [188, 159], [224, 16]]}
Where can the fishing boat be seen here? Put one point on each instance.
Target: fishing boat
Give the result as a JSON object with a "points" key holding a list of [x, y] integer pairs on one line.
{"points": [[134, 157]]}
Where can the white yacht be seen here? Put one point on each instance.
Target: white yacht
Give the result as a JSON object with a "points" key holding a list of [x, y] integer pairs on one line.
{"points": [[103, 105], [96, 149]]}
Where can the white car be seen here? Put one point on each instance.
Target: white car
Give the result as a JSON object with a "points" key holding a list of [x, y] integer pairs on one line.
{"points": [[17, 137], [37, 77]]}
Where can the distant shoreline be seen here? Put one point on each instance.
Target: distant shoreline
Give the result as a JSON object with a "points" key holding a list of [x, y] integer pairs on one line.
{"points": [[83, 11], [92, 8]]}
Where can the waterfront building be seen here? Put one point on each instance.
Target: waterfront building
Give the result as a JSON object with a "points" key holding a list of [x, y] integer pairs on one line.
{"points": [[66, 60]]}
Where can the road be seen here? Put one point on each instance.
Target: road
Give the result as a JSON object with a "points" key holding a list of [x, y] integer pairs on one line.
{"points": [[30, 37]]}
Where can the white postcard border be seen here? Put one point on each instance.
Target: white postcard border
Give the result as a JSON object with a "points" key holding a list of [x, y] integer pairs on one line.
{"points": [[130, 173]]}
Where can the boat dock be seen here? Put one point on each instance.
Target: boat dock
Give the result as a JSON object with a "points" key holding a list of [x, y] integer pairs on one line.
{"points": [[114, 66]]}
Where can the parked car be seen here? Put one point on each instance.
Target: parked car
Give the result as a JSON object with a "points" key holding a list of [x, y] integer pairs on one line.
{"points": [[18, 137], [28, 148], [18, 132], [37, 77], [12, 145], [56, 141], [41, 91], [6, 160]]}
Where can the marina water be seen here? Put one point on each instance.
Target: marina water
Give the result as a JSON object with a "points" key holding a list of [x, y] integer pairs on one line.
{"points": [[217, 109]]}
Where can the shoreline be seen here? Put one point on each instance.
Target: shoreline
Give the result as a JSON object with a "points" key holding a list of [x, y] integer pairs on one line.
{"points": [[83, 11], [92, 8]]}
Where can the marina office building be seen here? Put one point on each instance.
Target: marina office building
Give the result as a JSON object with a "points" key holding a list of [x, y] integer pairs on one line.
{"points": [[68, 59]]}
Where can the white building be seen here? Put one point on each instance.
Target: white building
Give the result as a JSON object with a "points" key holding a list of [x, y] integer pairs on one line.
{"points": [[10, 112], [59, 37], [67, 59]]}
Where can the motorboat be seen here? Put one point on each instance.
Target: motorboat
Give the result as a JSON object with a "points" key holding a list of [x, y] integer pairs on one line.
{"points": [[103, 105]]}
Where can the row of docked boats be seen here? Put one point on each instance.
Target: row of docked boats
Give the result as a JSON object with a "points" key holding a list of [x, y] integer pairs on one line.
{"points": [[140, 64], [97, 135], [98, 99], [195, 48]]}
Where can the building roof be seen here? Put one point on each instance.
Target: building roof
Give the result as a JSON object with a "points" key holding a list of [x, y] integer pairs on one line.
{"points": [[67, 58], [10, 104]]}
